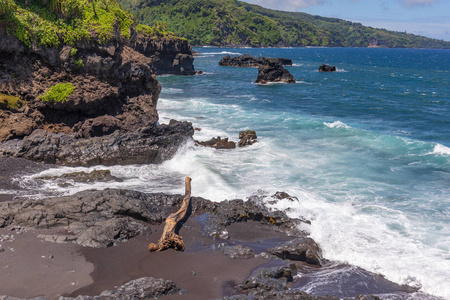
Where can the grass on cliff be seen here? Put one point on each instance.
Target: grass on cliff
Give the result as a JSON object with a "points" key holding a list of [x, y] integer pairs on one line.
{"points": [[55, 22], [58, 93], [10, 102]]}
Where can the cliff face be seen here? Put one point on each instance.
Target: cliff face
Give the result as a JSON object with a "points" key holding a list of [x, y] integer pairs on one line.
{"points": [[168, 56], [114, 91]]}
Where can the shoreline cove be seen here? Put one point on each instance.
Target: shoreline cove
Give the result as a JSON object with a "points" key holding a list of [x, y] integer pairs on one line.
{"points": [[367, 172]]}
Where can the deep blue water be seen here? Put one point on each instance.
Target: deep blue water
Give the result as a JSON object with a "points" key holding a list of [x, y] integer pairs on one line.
{"points": [[366, 150]]}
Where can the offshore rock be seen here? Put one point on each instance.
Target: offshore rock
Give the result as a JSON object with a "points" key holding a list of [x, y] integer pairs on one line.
{"points": [[218, 143], [327, 68], [273, 71], [249, 61], [247, 137]]}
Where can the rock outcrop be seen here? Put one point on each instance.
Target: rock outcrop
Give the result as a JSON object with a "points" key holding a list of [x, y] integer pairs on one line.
{"points": [[247, 137], [250, 61], [142, 288], [327, 68], [302, 249], [273, 71], [111, 111], [218, 143], [106, 218]]}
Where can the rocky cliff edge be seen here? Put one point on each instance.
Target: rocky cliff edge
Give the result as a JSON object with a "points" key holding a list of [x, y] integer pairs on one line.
{"points": [[109, 115]]}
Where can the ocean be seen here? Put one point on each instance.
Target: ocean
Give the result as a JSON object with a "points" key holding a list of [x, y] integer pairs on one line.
{"points": [[366, 150]]}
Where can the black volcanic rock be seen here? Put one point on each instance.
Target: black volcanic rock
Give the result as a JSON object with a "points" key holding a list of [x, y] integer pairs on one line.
{"points": [[327, 68], [249, 61], [273, 71]]}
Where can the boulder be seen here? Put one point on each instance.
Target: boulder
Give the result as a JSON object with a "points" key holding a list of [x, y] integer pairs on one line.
{"points": [[301, 249], [327, 68], [273, 71], [249, 61], [247, 137]]}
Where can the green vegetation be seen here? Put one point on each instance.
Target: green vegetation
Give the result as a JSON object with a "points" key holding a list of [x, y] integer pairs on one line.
{"points": [[58, 93], [56, 22], [79, 62], [228, 22], [10, 102], [159, 29]]}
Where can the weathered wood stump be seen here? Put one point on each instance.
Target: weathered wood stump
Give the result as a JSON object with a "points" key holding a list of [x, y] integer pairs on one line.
{"points": [[169, 238]]}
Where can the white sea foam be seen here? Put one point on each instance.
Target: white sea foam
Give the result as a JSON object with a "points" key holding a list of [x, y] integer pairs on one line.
{"points": [[441, 149], [336, 124]]}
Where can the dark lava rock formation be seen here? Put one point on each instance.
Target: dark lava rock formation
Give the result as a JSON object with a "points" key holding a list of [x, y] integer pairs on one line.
{"points": [[218, 143], [327, 68], [247, 137], [110, 117], [142, 288], [250, 61], [106, 218], [273, 71]]}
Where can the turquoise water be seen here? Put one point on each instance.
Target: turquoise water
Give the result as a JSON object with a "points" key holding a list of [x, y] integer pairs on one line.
{"points": [[366, 150]]}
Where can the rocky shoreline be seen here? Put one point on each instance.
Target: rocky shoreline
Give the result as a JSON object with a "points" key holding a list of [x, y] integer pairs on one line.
{"points": [[93, 244], [258, 251]]}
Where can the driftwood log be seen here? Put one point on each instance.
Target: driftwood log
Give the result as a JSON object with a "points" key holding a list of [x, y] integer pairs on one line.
{"points": [[169, 237]]}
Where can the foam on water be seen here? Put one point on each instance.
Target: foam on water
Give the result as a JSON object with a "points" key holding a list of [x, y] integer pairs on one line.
{"points": [[441, 149]]}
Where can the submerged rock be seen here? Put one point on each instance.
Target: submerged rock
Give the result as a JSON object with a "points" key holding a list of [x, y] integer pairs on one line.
{"points": [[327, 68], [273, 71]]}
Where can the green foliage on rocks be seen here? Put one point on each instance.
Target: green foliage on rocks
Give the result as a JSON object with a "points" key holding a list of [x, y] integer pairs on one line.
{"points": [[232, 22], [10, 102], [58, 93]]}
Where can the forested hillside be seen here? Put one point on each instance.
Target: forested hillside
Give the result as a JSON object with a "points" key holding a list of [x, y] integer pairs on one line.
{"points": [[232, 22]]}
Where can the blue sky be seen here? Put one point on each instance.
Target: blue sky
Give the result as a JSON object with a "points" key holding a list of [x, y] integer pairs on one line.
{"points": [[430, 18]]}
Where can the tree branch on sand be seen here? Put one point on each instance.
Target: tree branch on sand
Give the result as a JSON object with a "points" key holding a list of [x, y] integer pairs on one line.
{"points": [[169, 237]]}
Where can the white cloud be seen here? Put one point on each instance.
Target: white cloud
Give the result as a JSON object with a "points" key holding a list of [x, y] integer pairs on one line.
{"points": [[289, 5], [412, 3]]}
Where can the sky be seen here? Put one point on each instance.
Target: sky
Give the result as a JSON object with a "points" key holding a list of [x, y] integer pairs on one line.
{"points": [[430, 18]]}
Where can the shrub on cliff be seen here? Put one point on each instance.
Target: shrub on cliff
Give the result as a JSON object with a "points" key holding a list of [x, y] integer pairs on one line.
{"points": [[58, 93]]}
